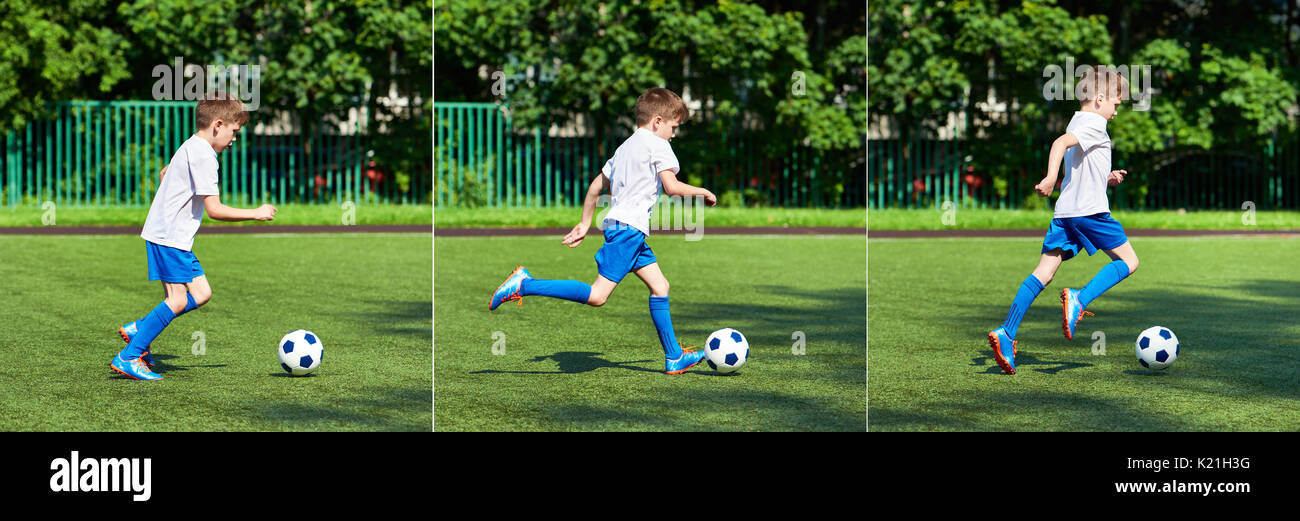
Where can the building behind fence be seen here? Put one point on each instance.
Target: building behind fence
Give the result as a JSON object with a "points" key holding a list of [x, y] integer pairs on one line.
{"points": [[108, 153], [924, 173]]}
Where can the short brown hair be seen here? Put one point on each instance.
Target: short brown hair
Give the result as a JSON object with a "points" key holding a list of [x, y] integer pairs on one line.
{"points": [[660, 102], [219, 106], [1094, 80]]}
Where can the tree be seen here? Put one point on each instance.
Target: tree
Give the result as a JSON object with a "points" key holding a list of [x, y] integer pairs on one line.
{"points": [[55, 52], [749, 70]]}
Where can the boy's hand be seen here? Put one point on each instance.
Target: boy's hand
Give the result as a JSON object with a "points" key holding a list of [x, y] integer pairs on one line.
{"points": [[1045, 187], [576, 235], [1116, 177], [265, 212], [709, 198]]}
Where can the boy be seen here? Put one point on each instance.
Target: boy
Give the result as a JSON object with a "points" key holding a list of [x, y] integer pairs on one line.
{"points": [[642, 165], [1082, 215], [188, 186]]}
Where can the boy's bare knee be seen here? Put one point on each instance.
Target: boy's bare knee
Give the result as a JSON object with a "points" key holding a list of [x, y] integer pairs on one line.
{"points": [[202, 297], [177, 305], [596, 301], [1132, 265]]}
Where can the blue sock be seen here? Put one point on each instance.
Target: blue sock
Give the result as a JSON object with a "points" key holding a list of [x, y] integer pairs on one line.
{"points": [[1029, 290], [1108, 277], [576, 291], [664, 325], [190, 305], [148, 329]]}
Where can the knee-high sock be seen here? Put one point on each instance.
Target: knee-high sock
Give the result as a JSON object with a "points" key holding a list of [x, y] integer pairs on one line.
{"points": [[1108, 277], [1029, 290], [190, 305], [147, 329], [664, 325], [573, 290]]}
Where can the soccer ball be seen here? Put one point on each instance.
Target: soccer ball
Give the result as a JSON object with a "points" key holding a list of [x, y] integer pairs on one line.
{"points": [[726, 350], [300, 352], [1157, 348]]}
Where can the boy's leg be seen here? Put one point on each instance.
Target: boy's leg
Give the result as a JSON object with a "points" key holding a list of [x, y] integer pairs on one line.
{"points": [[148, 327], [1058, 246], [175, 295], [1042, 275], [600, 290], [1124, 262], [675, 360]]}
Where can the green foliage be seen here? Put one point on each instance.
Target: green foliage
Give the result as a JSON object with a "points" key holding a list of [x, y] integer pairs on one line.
{"points": [[50, 53], [1229, 83], [750, 70], [320, 60]]}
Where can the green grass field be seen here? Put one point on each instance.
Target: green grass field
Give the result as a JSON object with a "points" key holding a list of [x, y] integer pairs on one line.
{"points": [[1232, 302], [976, 219], [286, 214], [366, 295], [569, 367]]}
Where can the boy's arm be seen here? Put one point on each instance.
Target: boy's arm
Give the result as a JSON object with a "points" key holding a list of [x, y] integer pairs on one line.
{"points": [[597, 187], [221, 212], [674, 187], [1054, 159]]}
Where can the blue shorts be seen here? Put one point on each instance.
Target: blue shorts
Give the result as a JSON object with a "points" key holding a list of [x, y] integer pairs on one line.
{"points": [[624, 250], [1091, 233], [171, 265]]}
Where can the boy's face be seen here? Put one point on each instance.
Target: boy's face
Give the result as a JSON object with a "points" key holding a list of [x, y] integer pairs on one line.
{"points": [[1107, 106], [663, 128], [224, 134]]}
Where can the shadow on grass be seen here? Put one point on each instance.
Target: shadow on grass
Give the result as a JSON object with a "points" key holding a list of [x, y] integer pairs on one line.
{"points": [[162, 367], [382, 409], [576, 362], [1030, 411], [836, 316], [1024, 359], [412, 318], [724, 410]]}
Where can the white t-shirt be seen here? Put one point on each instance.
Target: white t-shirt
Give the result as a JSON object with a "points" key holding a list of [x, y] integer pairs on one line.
{"points": [[177, 208], [633, 175], [1087, 168]]}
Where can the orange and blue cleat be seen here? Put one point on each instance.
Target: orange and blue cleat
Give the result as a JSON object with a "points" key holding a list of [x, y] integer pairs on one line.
{"points": [[509, 290], [688, 360], [129, 331], [1071, 311], [133, 368], [1004, 350]]}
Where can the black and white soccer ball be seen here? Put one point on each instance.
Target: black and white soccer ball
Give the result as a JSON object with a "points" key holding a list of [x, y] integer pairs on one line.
{"points": [[726, 350], [300, 352], [1157, 348]]}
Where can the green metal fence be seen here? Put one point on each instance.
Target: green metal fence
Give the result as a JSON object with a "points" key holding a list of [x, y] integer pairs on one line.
{"points": [[108, 153], [926, 173], [482, 159]]}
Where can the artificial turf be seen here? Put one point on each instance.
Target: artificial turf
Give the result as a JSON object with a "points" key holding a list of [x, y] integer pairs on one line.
{"points": [[1232, 302], [555, 365], [367, 296]]}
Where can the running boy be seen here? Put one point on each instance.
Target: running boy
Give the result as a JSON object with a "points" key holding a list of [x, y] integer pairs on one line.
{"points": [[1082, 215], [188, 186], [642, 165]]}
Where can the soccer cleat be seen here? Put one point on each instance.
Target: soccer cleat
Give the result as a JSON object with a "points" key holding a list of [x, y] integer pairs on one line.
{"points": [[1071, 311], [509, 290], [1004, 350], [688, 360], [129, 331], [133, 368]]}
